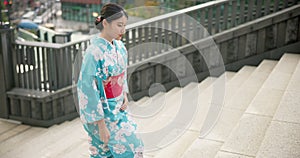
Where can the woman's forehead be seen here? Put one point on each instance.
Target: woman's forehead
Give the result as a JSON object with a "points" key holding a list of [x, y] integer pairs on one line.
{"points": [[123, 19]]}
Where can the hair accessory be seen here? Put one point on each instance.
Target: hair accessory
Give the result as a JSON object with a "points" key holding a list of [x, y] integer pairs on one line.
{"points": [[99, 19]]}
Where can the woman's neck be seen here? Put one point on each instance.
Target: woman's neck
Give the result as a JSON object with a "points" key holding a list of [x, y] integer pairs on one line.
{"points": [[105, 36]]}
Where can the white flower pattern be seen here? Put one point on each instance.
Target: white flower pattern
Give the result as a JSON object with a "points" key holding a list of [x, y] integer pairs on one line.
{"points": [[119, 148]]}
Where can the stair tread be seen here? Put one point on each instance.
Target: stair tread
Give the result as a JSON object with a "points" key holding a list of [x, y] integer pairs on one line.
{"points": [[13, 132], [247, 135], [164, 120], [168, 107], [229, 117], [76, 150], [202, 148], [222, 154], [6, 126], [242, 75], [288, 109], [265, 102], [173, 151], [206, 97], [247, 91], [269, 96], [41, 142], [281, 140], [20, 139], [245, 138]]}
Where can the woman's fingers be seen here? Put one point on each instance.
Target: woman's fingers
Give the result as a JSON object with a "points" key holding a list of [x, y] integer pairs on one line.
{"points": [[125, 104], [105, 135], [123, 107], [105, 82]]}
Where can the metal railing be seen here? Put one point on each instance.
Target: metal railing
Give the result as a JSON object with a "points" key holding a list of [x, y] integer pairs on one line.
{"points": [[187, 25], [39, 91], [45, 66], [265, 38], [48, 67]]}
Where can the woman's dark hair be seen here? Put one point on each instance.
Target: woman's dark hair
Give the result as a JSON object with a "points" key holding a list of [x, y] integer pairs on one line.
{"points": [[110, 12]]}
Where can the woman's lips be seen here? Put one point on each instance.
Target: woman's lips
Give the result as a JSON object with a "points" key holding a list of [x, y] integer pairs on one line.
{"points": [[119, 37]]}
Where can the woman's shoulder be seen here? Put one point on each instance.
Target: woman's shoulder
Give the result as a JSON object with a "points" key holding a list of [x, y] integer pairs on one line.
{"points": [[93, 53], [97, 41]]}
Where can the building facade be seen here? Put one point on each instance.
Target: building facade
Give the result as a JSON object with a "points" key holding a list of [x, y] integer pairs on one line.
{"points": [[81, 11]]}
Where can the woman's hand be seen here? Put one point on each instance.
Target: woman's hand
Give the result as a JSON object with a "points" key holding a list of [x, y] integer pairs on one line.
{"points": [[105, 82], [103, 131], [125, 102]]}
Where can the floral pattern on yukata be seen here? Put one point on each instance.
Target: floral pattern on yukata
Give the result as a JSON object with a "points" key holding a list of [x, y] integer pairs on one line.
{"points": [[102, 60]]}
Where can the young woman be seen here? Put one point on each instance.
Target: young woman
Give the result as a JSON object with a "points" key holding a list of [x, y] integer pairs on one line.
{"points": [[102, 90]]}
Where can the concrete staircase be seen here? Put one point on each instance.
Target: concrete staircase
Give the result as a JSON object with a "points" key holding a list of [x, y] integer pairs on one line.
{"points": [[252, 122], [259, 117]]}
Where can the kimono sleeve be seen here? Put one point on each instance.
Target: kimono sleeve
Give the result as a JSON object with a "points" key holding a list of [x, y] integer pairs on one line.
{"points": [[125, 57], [125, 84], [90, 105]]}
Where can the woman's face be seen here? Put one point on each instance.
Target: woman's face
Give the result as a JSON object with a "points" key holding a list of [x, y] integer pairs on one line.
{"points": [[116, 28]]}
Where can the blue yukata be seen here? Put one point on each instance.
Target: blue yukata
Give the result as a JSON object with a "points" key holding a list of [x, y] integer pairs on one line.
{"points": [[101, 86]]}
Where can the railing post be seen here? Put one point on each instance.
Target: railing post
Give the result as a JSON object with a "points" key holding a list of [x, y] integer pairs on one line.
{"points": [[6, 69]]}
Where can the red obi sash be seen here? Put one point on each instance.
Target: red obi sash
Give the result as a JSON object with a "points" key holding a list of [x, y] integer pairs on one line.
{"points": [[114, 87]]}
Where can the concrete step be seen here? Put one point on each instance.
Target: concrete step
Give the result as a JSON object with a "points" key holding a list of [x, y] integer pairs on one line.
{"points": [[208, 148], [13, 132], [68, 142], [6, 125], [164, 119], [267, 99], [283, 136], [46, 142], [169, 113], [20, 139], [230, 116], [246, 137], [281, 140], [76, 150], [289, 108], [251, 86], [177, 148], [187, 136], [202, 148], [213, 99], [152, 109], [205, 99], [230, 155], [239, 101]]}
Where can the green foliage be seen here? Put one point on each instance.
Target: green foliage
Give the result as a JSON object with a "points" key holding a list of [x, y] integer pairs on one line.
{"points": [[4, 16]]}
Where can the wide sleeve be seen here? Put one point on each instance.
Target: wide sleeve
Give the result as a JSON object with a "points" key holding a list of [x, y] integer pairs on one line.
{"points": [[125, 85], [90, 105], [125, 58]]}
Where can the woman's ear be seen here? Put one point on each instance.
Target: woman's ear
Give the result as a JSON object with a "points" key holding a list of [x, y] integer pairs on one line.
{"points": [[104, 23]]}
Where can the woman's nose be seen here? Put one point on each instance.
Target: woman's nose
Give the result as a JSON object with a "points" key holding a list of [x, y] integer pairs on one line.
{"points": [[123, 30]]}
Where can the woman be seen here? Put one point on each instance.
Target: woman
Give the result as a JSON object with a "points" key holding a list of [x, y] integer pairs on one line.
{"points": [[102, 90]]}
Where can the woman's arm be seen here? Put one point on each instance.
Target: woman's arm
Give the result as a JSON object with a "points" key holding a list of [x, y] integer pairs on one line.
{"points": [[103, 131]]}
